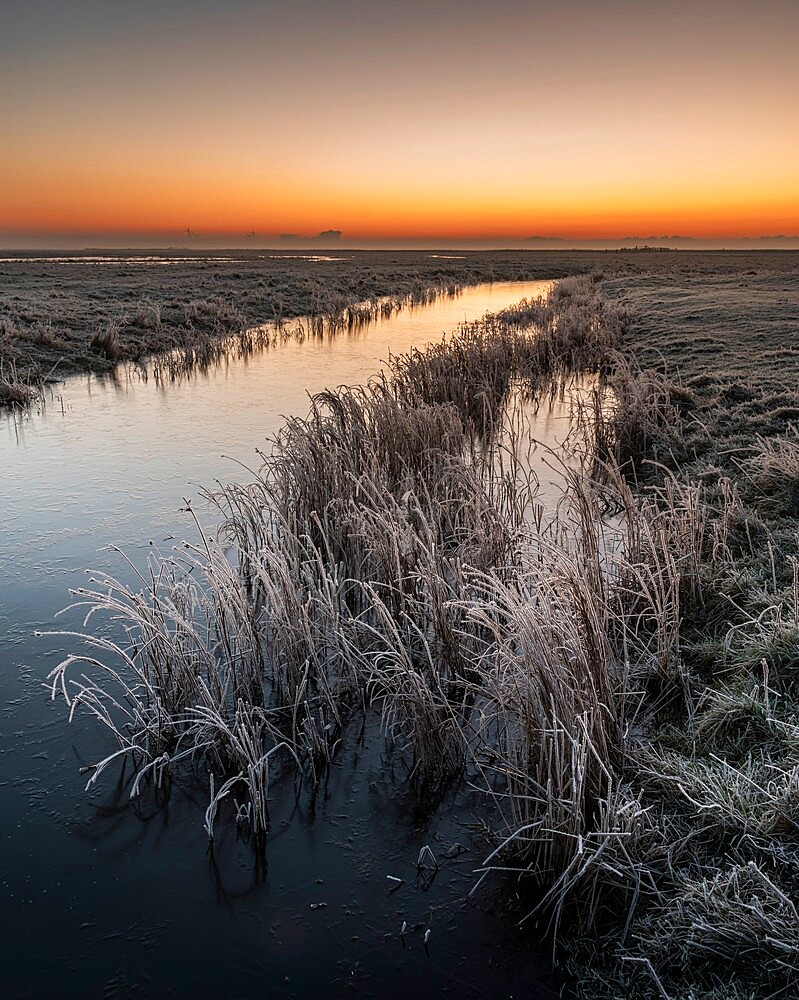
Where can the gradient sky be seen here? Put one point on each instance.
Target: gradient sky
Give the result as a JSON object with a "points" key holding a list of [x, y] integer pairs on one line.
{"points": [[426, 119]]}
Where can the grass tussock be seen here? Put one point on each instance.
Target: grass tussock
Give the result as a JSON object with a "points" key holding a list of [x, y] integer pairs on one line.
{"points": [[107, 343], [775, 471]]}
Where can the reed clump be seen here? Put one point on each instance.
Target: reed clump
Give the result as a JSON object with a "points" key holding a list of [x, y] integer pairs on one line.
{"points": [[16, 391], [356, 547], [107, 343]]}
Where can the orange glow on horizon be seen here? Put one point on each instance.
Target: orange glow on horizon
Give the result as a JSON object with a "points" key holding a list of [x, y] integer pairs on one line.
{"points": [[117, 200], [83, 202]]}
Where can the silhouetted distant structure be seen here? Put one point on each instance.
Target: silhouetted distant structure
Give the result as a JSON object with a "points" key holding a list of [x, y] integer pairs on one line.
{"points": [[326, 236]]}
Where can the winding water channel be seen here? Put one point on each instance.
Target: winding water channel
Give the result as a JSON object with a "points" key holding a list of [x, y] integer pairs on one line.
{"points": [[105, 897]]}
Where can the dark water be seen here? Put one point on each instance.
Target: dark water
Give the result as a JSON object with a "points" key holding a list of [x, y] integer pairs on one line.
{"points": [[102, 896]]}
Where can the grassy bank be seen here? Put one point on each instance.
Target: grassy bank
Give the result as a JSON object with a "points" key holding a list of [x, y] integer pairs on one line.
{"points": [[717, 766], [621, 675]]}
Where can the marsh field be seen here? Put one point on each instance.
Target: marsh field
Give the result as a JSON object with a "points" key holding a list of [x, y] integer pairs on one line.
{"points": [[472, 669]]}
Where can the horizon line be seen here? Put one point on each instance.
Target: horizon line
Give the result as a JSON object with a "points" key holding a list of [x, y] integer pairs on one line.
{"points": [[312, 244]]}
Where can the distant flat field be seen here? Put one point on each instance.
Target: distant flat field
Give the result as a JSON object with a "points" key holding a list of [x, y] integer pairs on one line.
{"points": [[725, 326], [690, 308]]}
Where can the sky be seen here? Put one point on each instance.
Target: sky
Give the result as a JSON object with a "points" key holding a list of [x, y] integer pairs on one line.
{"points": [[406, 121]]}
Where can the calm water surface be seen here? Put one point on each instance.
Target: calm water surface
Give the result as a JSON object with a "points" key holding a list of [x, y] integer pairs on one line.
{"points": [[104, 897]]}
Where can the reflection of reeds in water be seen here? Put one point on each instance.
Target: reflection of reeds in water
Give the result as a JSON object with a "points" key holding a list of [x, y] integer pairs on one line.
{"points": [[221, 334], [387, 557]]}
